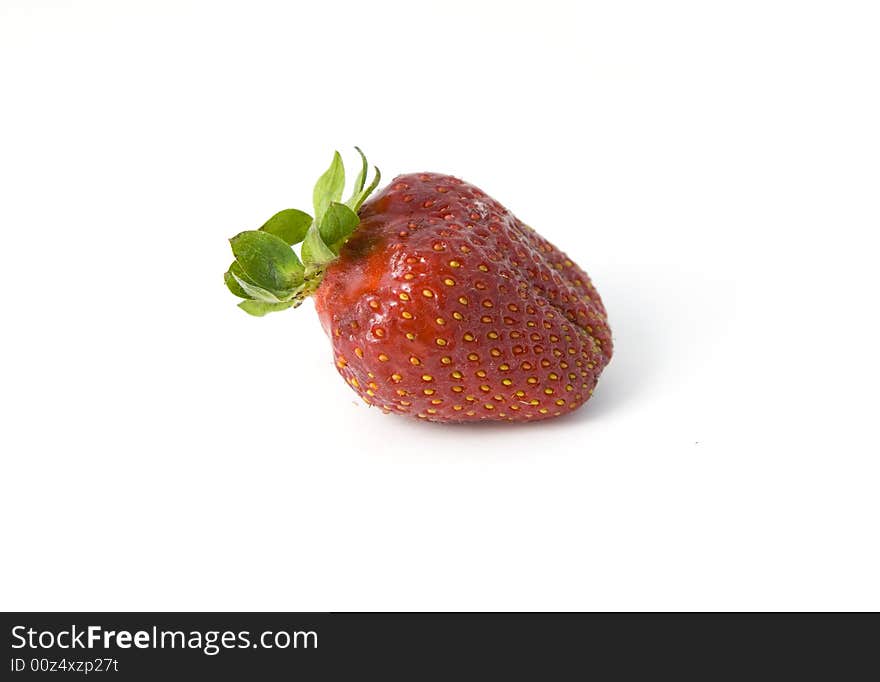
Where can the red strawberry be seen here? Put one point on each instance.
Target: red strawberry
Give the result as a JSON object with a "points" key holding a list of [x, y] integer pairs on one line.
{"points": [[441, 304]]}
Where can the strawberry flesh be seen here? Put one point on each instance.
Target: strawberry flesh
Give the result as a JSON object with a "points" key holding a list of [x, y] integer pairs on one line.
{"points": [[444, 306]]}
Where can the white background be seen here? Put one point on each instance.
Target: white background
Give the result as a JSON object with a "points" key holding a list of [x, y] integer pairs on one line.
{"points": [[714, 166]]}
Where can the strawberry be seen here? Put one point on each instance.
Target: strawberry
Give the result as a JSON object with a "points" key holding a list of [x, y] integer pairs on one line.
{"points": [[440, 304]]}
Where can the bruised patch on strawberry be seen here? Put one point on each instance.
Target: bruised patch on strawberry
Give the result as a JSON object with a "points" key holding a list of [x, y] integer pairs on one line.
{"points": [[440, 304]]}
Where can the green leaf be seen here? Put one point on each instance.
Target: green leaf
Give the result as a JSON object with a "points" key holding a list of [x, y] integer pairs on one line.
{"points": [[290, 225], [260, 308], [232, 284], [255, 292], [315, 252], [358, 181], [359, 194], [266, 271], [267, 261], [329, 186], [339, 222], [242, 286], [362, 197]]}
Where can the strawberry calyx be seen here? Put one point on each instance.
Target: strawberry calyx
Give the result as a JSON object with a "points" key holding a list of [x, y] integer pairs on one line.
{"points": [[267, 272]]}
